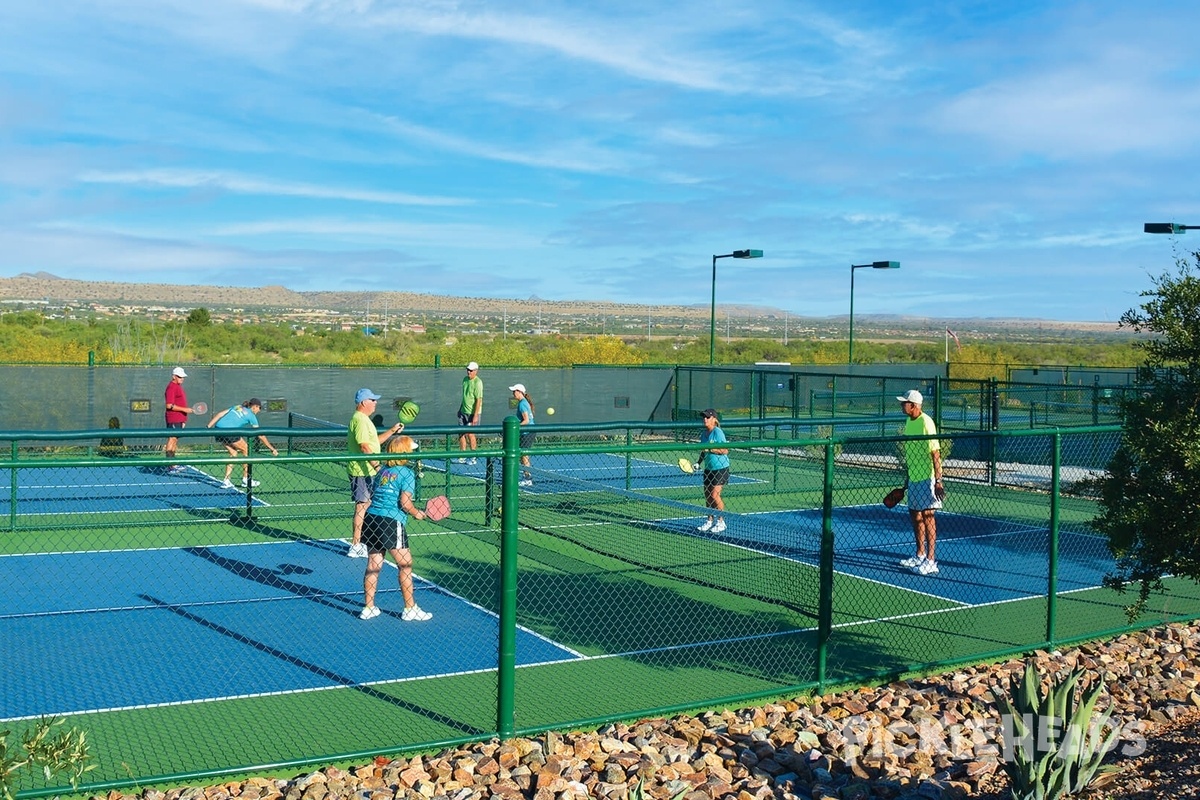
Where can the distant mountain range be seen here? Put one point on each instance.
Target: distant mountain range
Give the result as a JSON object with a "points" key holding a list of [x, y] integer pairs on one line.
{"points": [[44, 286]]}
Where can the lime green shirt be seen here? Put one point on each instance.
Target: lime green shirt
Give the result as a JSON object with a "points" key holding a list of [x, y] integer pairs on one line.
{"points": [[918, 454], [362, 431], [472, 391]]}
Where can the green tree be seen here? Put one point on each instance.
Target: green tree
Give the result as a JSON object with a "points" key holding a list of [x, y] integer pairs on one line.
{"points": [[199, 317], [1148, 497]]}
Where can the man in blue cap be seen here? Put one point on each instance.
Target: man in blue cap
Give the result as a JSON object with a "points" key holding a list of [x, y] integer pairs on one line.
{"points": [[363, 438]]}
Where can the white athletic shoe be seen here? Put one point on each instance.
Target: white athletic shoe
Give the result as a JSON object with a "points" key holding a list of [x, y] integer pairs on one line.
{"points": [[226, 484], [473, 461], [460, 461], [927, 568], [719, 527], [912, 563], [369, 612], [415, 614], [525, 482], [252, 482], [357, 551], [707, 526]]}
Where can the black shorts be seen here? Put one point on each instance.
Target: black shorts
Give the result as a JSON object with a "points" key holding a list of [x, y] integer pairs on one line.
{"points": [[175, 425], [464, 419], [229, 440], [716, 477], [527, 438], [380, 534]]}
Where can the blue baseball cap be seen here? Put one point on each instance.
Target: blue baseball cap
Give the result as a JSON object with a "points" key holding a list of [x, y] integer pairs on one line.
{"points": [[365, 394]]}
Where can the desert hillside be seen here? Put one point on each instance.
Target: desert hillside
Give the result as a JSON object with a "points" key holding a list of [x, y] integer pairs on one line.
{"points": [[46, 287]]}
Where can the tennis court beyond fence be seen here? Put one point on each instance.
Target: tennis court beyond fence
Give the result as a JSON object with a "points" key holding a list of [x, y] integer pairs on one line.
{"points": [[195, 629]]}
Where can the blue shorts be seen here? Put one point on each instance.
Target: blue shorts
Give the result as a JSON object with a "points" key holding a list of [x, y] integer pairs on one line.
{"points": [[921, 496], [464, 418], [360, 488]]}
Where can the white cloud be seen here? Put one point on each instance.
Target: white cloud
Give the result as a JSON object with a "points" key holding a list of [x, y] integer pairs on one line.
{"points": [[238, 184], [1074, 113], [429, 234], [578, 156], [1082, 81]]}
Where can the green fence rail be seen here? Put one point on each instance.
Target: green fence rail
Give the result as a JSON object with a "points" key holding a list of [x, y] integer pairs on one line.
{"points": [[196, 630]]}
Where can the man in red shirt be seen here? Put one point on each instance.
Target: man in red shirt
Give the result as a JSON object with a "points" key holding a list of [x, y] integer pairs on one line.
{"points": [[177, 413]]}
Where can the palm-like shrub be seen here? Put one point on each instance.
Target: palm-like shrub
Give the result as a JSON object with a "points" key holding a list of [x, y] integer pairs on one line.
{"points": [[1054, 743]]}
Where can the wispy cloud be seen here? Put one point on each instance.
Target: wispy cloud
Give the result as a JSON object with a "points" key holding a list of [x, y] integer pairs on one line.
{"points": [[1004, 153], [429, 234], [574, 157], [242, 184]]}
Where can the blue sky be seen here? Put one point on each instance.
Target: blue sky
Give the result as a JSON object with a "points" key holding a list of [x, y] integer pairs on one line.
{"points": [[1006, 153]]}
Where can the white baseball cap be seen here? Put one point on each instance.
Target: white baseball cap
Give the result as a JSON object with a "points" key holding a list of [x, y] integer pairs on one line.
{"points": [[472, 367], [518, 387], [178, 372], [911, 396]]}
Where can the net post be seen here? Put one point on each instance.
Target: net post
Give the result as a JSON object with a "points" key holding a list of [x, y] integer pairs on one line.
{"points": [[249, 492], [489, 490], [507, 661]]}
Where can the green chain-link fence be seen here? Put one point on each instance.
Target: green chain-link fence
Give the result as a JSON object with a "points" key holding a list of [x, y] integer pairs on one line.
{"points": [[194, 629]]}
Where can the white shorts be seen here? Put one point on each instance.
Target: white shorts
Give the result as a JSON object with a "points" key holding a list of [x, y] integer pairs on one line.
{"points": [[921, 496]]}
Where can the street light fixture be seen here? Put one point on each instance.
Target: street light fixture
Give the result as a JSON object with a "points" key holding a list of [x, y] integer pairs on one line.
{"points": [[872, 265], [1168, 227], [712, 316]]}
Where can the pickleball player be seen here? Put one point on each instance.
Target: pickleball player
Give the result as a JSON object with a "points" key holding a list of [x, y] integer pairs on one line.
{"points": [[176, 414], [715, 463], [384, 531]]}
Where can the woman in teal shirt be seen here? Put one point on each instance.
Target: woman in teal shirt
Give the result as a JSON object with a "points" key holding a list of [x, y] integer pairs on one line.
{"points": [[715, 463], [384, 529]]}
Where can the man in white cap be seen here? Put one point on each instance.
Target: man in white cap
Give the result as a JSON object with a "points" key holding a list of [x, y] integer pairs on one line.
{"points": [[923, 461], [177, 411], [362, 438], [470, 409]]}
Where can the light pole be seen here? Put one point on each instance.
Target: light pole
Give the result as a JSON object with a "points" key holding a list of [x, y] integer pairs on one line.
{"points": [[1168, 227], [712, 315], [872, 265]]}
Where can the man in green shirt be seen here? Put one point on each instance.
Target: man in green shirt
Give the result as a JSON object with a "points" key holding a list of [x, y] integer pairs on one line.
{"points": [[470, 409], [923, 461], [363, 438]]}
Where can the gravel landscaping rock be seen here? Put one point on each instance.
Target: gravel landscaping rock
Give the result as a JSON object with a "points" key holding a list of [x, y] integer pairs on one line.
{"points": [[934, 738]]}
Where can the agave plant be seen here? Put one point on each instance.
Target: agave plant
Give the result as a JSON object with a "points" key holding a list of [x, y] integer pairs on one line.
{"points": [[1054, 743]]}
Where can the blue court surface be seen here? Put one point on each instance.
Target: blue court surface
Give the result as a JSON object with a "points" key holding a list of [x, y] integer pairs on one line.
{"points": [[574, 472], [254, 619], [980, 560], [117, 489]]}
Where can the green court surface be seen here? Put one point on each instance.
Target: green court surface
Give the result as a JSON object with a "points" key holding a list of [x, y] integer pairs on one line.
{"points": [[647, 612]]}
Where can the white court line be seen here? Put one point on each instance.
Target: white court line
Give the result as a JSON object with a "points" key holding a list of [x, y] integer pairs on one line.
{"points": [[757, 551]]}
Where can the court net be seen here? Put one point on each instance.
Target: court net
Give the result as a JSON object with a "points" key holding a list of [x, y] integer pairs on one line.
{"points": [[657, 526], [320, 437]]}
